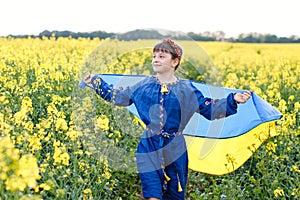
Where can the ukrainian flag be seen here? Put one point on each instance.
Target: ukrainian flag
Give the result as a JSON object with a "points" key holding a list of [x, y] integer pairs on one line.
{"points": [[220, 146]]}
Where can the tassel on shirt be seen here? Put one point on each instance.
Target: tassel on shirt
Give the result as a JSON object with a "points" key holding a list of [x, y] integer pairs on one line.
{"points": [[179, 185], [164, 89], [165, 174]]}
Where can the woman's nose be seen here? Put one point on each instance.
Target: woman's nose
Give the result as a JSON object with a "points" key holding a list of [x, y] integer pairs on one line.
{"points": [[154, 60]]}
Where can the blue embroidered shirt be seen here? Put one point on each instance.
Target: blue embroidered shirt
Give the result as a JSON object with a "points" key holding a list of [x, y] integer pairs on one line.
{"points": [[166, 112]]}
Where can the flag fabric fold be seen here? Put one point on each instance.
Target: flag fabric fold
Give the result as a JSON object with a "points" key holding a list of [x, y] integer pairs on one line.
{"points": [[223, 145]]}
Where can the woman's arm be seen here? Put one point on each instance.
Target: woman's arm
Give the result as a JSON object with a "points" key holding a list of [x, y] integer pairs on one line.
{"points": [[219, 108], [120, 97]]}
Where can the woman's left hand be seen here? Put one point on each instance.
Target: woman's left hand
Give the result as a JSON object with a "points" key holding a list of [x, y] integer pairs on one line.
{"points": [[242, 97]]}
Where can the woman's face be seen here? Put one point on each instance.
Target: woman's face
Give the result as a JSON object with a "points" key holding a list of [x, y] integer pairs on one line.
{"points": [[163, 62]]}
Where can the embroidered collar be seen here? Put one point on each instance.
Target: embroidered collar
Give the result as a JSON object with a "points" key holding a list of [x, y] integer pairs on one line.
{"points": [[164, 86]]}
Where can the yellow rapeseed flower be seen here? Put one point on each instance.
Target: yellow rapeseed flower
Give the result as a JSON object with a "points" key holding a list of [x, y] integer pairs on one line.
{"points": [[18, 173], [60, 155], [34, 143], [61, 124], [271, 147], [73, 134], [28, 170], [20, 117], [102, 122], [52, 110], [295, 169], [87, 191], [4, 100], [278, 192]]}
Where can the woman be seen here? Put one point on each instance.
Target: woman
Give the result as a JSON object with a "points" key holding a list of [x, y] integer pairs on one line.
{"points": [[165, 103]]}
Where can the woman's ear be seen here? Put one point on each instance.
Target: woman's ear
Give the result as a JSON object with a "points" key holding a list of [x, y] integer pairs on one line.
{"points": [[175, 62]]}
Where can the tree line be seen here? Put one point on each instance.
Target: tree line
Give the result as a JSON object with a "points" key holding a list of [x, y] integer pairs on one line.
{"points": [[154, 34]]}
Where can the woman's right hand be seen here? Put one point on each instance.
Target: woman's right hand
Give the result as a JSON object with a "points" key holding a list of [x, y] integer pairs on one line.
{"points": [[88, 78]]}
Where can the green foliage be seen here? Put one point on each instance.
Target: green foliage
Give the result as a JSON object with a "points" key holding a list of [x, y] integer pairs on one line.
{"points": [[94, 157]]}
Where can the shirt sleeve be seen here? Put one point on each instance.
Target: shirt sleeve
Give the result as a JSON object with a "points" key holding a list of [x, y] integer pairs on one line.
{"points": [[120, 96], [215, 108]]}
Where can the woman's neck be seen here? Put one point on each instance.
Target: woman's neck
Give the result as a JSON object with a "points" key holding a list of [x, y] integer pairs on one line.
{"points": [[166, 78]]}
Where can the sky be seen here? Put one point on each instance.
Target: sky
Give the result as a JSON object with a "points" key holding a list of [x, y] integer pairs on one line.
{"points": [[279, 17]]}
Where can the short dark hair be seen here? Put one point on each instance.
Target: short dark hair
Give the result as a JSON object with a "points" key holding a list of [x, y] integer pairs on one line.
{"points": [[168, 45]]}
